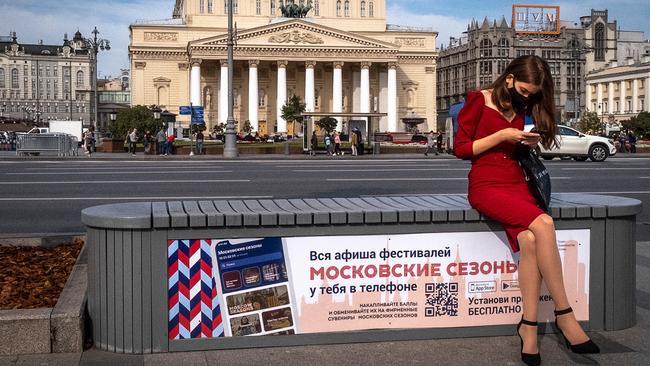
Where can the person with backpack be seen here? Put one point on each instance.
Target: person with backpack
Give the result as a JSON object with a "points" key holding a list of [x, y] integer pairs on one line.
{"points": [[328, 144]]}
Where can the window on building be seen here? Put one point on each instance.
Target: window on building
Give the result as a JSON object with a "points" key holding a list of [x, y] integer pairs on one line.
{"points": [[504, 47], [347, 8], [629, 106], [40, 71], [273, 7], [80, 78], [55, 71], [338, 8], [210, 7], [261, 99], [47, 71], [2, 78], [14, 79], [201, 6], [235, 7], [599, 42], [48, 85], [258, 7], [316, 8], [363, 8], [486, 67], [486, 48], [371, 9]]}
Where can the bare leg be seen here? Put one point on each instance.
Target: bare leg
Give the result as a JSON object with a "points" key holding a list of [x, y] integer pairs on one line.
{"points": [[548, 261], [529, 283]]}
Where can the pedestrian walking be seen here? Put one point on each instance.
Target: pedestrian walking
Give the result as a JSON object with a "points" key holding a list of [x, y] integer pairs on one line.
{"points": [[337, 144], [169, 148], [88, 142], [133, 141], [160, 140], [631, 139], [359, 141], [199, 143], [439, 142], [490, 128], [354, 141], [623, 140], [328, 144], [431, 144], [147, 142], [314, 144]]}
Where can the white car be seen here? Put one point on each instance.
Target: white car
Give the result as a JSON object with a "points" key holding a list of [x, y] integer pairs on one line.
{"points": [[577, 145]]}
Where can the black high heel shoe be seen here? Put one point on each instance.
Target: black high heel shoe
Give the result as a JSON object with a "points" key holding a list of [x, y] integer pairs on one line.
{"points": [[586, 347], [530, 359]]}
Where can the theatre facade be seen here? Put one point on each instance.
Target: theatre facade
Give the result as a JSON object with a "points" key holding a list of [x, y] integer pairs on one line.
{"points": [[341, 57]]}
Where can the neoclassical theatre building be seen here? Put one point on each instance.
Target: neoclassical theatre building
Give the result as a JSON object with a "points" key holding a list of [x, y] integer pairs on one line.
{"points": [[340, 57]]}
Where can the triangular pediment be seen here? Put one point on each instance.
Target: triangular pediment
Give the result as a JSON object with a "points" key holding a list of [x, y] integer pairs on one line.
{"points": [[296, 33]]}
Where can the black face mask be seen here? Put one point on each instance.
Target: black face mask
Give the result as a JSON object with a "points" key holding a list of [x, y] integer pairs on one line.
{"points": [[519, 102]]}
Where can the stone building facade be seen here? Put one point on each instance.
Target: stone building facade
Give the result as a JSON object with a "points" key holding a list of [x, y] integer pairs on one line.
{"points": [[45, 82], [341, 57], [619, 92], [485, 49]]}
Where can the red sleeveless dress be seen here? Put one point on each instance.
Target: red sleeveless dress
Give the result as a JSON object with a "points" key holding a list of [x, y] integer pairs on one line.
{"points": [[497, 187]]}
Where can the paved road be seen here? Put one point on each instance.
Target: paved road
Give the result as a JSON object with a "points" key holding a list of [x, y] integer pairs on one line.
{"points": [[46, 196]]}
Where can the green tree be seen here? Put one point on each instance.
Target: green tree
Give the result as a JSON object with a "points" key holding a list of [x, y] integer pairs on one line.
{"points": [[139, 117], [640, 124], [247, 127], [327, 123], [292, 110], [590, 122]]}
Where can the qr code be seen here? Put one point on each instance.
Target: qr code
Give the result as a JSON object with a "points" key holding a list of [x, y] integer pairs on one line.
{"points": [[441, 299]]}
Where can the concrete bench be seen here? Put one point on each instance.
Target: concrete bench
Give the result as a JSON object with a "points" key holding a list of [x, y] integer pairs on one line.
{"points": [[183, 275]]}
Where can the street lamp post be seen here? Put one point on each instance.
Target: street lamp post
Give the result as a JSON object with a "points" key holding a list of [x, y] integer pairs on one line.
{"points": [[230, 146], [95, 45]]}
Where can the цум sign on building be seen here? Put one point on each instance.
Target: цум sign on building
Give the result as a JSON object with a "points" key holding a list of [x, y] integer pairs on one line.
{"points": [[536, 19]]}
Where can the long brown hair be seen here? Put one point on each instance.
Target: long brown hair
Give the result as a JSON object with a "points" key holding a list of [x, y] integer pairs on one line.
{"points": [[533, 70]]}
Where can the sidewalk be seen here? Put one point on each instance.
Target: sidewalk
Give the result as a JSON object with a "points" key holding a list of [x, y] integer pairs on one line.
{"points": [[11, 155], [627, 347]]}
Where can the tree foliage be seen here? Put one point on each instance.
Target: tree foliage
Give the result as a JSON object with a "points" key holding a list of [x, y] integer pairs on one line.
{"points": [[327, 123], [590, 122], [139, 117], [640, 124], [247, 127], [292, 110]]}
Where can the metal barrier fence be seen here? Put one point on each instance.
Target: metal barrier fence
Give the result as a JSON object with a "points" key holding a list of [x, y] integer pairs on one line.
{"points": [[60, 144]]}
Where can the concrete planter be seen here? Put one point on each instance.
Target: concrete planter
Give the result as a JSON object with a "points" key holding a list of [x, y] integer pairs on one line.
{"points": [[49, 330]]}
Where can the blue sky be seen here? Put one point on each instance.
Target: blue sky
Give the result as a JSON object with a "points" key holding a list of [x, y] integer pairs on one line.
{"points": [[49, 19]]}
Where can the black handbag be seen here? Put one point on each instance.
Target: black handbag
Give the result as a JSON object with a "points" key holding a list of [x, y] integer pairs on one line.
{"points": [[539, 181]]}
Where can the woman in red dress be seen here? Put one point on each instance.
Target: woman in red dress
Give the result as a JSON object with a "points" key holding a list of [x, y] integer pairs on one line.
{"points": [[490, 125]]}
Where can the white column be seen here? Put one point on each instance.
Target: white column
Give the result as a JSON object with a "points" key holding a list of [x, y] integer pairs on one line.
{"points": [[588, 98], [392, 97], [621, 103], [635, 95], [337, 92], [647, 95], [281, 97], [223, 92], [253, 94], [599, 99], [309, 86], [364, 101], [383, 99], [610, 98], [195, 83]]}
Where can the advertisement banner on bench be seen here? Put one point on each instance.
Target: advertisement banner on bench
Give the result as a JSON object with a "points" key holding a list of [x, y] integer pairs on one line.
{"points": [[294, 285]]}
